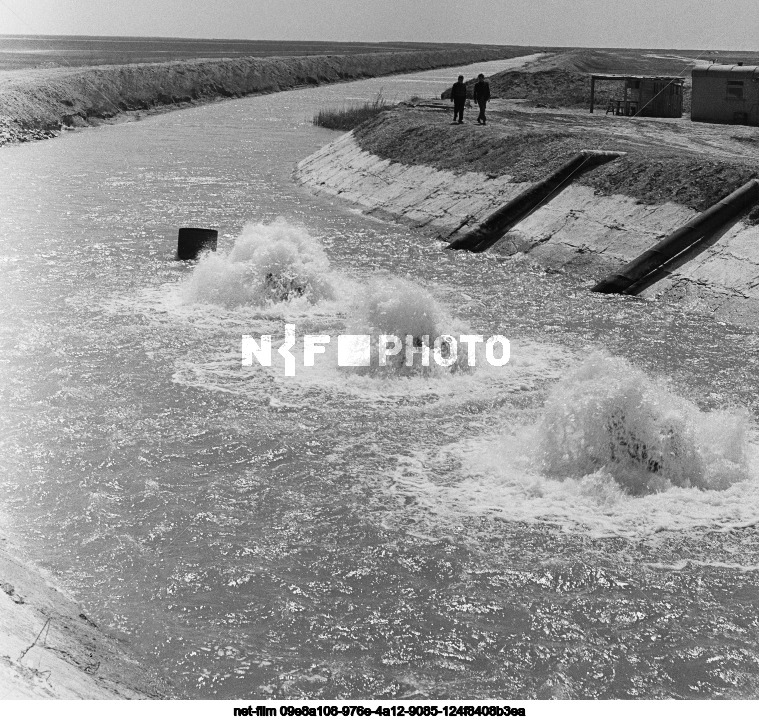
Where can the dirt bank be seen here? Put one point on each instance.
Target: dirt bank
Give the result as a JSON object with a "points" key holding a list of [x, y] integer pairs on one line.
{"points": [[667, 161], [50, 649], [36, 104]]}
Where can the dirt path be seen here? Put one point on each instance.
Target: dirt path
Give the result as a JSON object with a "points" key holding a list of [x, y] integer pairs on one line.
{"points": [[738, 141]]}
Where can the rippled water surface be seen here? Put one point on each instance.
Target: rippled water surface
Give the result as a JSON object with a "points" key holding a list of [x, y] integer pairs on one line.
{"points": [[345, 535]]}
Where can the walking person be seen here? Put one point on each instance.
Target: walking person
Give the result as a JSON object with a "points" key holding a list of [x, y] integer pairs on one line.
{"points": [[458, 96], [481, 97]]}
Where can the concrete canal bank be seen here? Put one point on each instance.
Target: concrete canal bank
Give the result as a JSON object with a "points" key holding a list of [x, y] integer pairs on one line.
{"points": [[50, 649], [594, 226]]}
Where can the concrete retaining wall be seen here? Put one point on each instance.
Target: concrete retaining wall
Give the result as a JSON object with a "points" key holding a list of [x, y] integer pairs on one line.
{"points": [[579, 230]]}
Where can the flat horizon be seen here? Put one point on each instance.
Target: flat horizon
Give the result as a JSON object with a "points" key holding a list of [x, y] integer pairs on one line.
{"points": [[627, 24], [547, 46]]}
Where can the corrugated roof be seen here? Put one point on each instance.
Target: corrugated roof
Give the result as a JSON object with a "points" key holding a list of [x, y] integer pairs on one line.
{"points": [[745, 71], [612, 76]]}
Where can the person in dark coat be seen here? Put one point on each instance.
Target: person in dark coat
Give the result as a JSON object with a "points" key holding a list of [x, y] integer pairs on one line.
{"points": [[458, 96], [481, 96]]}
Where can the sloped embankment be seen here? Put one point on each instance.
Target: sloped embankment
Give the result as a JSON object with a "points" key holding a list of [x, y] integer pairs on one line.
{"points": [[50, 649], [447, 187], [654, 170], [37, 103]]}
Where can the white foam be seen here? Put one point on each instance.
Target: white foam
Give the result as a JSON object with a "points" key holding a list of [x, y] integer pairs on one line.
{"points": [[499, 478], [609, 416], [682, 564], [530, 366], [269, 264], [402, 308], [512, 475], [273, 273]]}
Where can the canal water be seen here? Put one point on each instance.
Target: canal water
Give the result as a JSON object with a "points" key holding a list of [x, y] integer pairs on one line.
{"points": [[578, 523]]}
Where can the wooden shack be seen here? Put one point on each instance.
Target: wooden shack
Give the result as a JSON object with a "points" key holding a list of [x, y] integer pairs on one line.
{"points": [[726, 94], [645, 96]]}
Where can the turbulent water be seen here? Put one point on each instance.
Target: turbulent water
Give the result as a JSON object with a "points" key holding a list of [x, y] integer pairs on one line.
{"points": [[580, 522]]}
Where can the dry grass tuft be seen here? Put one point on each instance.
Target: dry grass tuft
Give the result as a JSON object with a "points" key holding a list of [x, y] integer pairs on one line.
{"points": [[351, 117]]}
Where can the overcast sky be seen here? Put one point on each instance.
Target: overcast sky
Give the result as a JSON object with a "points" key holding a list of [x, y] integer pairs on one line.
{"points": [[696, 24]]}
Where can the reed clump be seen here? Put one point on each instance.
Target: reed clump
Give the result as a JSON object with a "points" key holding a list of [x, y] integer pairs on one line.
{"points": [[347, 118]]}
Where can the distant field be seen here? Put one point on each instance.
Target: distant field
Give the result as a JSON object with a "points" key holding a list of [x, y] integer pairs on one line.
{"points": [[19, 52]]}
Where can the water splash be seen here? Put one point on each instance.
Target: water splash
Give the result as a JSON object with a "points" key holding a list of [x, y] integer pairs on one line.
{"points": [[269, 264], [612, 453], [611, 417], [402, 308]]}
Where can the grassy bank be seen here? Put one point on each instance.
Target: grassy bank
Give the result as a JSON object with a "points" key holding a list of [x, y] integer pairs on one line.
{"points": [[37, 103], [350, 117], [676, 161]]}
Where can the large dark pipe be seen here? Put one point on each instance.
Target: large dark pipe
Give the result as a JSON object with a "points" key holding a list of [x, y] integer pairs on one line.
{"points": [[192, 240], [700, 228], [499, 223]]}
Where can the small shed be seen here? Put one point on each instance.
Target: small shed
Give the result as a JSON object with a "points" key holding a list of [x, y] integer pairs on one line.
{"points": [[726, 94], [646, 96]]}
